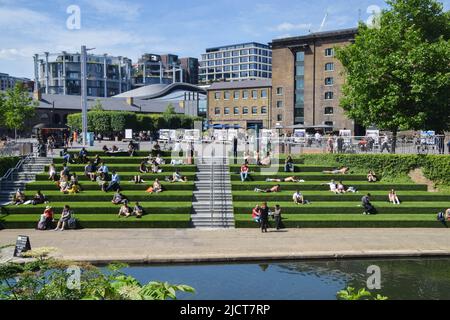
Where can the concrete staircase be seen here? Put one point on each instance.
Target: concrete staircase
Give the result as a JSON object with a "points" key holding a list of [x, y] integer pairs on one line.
{"points": [[213, 202], [19, 179]]}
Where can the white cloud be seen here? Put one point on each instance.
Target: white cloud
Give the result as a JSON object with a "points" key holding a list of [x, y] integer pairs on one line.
{"points": [[117, 8], [11, 17], [287, 26]]}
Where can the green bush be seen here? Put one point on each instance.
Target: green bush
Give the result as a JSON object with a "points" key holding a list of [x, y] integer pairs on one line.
{"points": [[6, 163]]}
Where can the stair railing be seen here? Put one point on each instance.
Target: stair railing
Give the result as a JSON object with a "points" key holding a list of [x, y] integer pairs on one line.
{"points": [[212, 186]]}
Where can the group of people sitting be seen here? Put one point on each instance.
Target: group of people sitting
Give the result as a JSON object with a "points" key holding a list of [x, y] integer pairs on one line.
{"points": [[265, 161], [47, 220], [339, 187], [19, 198], [68, 182]]}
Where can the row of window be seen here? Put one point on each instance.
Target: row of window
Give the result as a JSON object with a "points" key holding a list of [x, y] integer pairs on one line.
{"points": [[255, 94], [236, 53], [204, 64], [253, 66], [237, 111]]}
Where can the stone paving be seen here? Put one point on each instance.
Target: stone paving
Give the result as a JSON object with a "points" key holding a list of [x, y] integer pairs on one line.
{"points": [[191, 246]]}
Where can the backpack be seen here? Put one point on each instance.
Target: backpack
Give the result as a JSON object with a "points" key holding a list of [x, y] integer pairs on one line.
{"points": [[441, 216], [72, 223]]}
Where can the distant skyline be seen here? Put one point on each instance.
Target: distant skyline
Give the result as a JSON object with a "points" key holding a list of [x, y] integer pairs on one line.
{"points": [[132, 28]]}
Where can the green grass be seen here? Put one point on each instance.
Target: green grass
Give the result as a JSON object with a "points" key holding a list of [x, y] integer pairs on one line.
{"points": [[98, 221], [310, 176], [128, 176], [138, 154], [127, 168], [126, 186], [280, 168], [348, 221], [121, 160]]}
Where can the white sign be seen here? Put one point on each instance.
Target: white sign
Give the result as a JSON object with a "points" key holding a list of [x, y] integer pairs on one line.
{"points": [[427, 137], [300, 135], [374, 134], [192, 135], [128, 134], [347, 134]]}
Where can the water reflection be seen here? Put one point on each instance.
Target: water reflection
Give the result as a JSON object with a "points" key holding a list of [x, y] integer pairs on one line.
{"points": [[400, 279]]}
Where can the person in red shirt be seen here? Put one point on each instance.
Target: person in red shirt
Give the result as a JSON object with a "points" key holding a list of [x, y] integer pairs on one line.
{"points": [[256, 212], [47, 219], [244, 172]]}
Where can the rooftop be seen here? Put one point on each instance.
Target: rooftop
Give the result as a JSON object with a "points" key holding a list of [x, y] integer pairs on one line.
{"points": [[238, 46], [261, 83], [343, 33]]}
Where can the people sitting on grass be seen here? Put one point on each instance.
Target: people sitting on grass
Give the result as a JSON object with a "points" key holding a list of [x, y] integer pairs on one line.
{"points": [[333, 186], [155, 167], [82, 156], [38, 198], [298, 197], [256, 214], [155, 188], [393, 198], [443, 217], [287, 179], [118, 198], [246, 157], [372, 177], [65, 171], [176, 162], [244, 172], [90, 171], [66, 215], [367, 205], [138, 211], [114, 184], [274, 189], [342, 170], [177, 177], [131, 149], [74, 178], [159, 161], [19, 198], [97, 160], [289, 164], [72, 188], [125, 210], [66, 156], [63, 183], [105, 149], [103, 171], [102, 182], [47, 219], [143, 167], [137, 180], [52, 173], [340, 188]]}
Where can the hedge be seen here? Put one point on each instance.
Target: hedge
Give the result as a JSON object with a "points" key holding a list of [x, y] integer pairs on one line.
{"points": [[7, 163]]}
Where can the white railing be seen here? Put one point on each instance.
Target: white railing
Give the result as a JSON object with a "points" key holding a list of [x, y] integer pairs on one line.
{"points": [[212, 186]]}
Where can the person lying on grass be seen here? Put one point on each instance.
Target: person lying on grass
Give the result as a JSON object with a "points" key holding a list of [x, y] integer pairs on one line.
{"points": [[340, 188], [156, 187], [372, 177], [332, 185], [343, 170], [125, 210], [38, 198], [177, 177], [274, 189], [118, 198], [288, 179], [393, 198]]}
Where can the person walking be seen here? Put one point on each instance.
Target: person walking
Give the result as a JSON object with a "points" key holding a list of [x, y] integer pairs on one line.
{"points": [[277, 217], [264, 217]]}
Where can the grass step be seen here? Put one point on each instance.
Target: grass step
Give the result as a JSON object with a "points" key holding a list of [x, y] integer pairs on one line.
{"points": [[315, 186], [280, 168], [126, 186], [127, 168], [406, 196], [81, 208], [99, 196], [137, 154], [348, 221], [128, 176], [312, 176], [97, 221], [123, 160], [349, 207]]}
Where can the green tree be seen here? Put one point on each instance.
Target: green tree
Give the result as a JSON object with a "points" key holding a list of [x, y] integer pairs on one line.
{"points": [[16, 107], [398, 73], [170, 110], [97, 106]]}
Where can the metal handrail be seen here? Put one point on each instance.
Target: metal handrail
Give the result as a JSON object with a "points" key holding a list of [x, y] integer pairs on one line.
{"points": [[212, 198]]}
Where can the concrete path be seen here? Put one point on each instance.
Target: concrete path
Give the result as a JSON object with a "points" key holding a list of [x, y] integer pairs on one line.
{"points": [[188, 246]]}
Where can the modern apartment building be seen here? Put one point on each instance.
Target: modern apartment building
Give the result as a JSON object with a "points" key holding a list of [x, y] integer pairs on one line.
{"points": [[60, 73], [240, 103], [247, 61], [9, 82], [164, 69], [307, 80]]}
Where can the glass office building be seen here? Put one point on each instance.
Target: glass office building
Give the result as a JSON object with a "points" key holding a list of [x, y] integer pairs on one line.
{"points": [[247, 61]]}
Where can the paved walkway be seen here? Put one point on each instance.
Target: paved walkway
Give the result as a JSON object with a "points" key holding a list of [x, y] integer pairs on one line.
{"points": [[164, 246]]}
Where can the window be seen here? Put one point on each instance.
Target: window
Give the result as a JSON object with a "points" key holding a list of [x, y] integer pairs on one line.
{"points": [[300, 56], [255, 94], [279, 117], [329, 66], [254, 110], [236, 95], [217, 95], [235, 53], [236, 110], [226, 110], [279, 91], [329, 95], [329, 110], [329, 52], [218, 55], [244, 59], [300, 71], [245, 94], [300, 83], [245, 110], [264, 93], [227, 95], [263, 110], [279, 104], [235, 60], [329, 81], [329, 123], [217, 111]]}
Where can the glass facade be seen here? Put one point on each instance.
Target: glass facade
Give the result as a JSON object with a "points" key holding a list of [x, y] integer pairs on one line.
{"points": [[299, 108]]}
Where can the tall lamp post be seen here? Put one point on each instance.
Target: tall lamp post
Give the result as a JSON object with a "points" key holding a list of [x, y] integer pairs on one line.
{"points": [[84, 93]]}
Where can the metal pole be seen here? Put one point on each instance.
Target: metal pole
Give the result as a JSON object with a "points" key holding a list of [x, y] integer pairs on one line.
{"points": [[174, 73], [144, 72], [120, 75], [46, 73], [105, 77], [64, 73], [84, 94], [160, 72], [36, 73]]}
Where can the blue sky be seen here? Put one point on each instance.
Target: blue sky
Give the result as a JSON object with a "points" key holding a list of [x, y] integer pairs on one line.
{"points": [[184, 27]]}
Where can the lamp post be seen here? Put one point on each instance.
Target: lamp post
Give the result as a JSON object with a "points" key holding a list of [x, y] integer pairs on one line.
{"points": [[84, 93]]}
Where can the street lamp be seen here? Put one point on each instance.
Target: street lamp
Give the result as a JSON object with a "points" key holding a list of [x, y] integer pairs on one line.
{"points": [[84, 93]]}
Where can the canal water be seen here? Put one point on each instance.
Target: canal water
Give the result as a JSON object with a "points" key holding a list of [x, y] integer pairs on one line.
{"points": [[400, 279]]}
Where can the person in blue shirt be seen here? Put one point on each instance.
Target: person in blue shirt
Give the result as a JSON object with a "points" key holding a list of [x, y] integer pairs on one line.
{"points": [[103, 170], [115, 182], [448, 145], [83, 155], [66, 157]]}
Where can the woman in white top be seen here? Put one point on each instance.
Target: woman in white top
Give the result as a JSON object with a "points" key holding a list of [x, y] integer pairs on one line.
{"points": [[52, 172], [393, 198]]}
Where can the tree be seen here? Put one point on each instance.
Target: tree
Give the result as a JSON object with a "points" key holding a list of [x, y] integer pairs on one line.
{"points": [[16, 108], [398, 73], [97, 106]]}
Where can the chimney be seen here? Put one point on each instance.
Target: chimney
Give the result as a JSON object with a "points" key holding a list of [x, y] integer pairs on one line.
{"points": [[130, 101], [37, 95]]}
